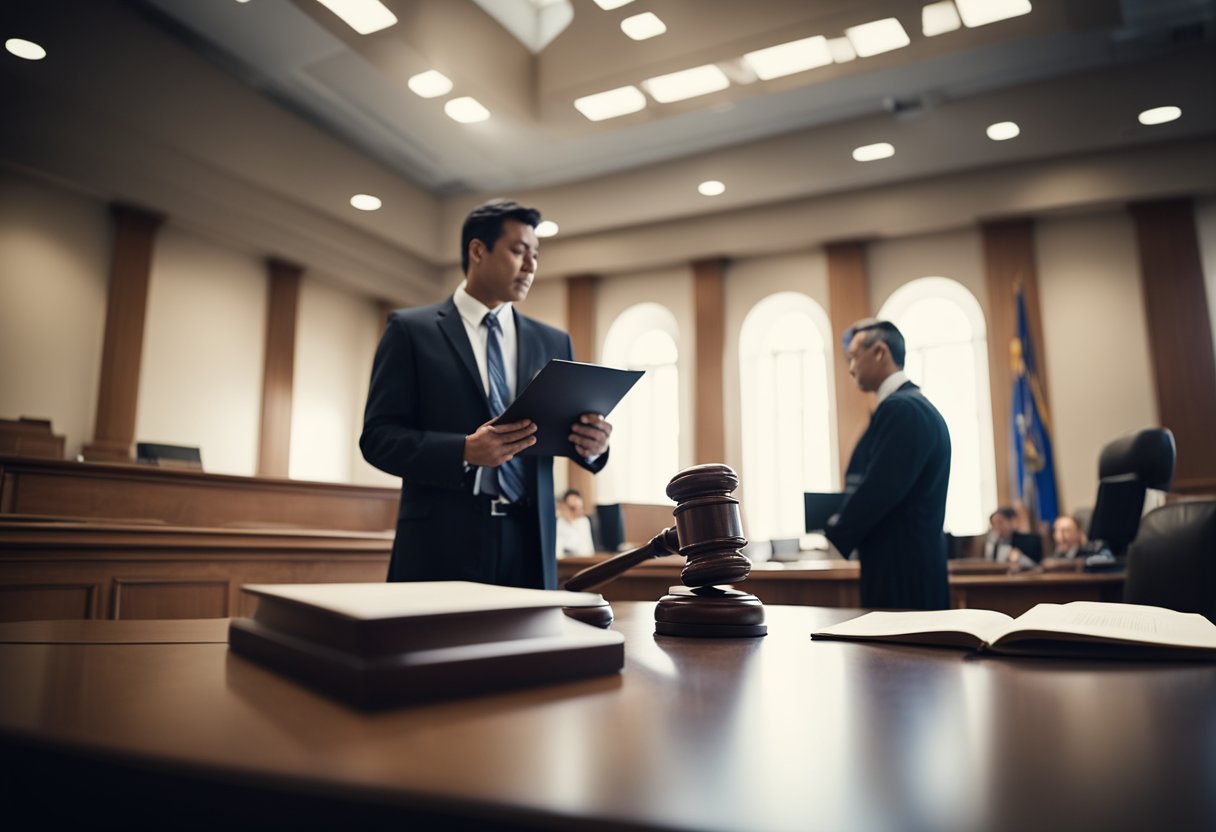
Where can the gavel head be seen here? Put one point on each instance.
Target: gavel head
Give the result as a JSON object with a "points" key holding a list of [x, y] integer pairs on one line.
{"points": [[708, 525]]}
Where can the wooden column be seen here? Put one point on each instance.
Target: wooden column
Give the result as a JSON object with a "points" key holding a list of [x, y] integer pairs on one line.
{"points": [[274, 443], [1009, 260], [1179, 336], [709, 305], [126, 306], [580, 323], [848, 302]]}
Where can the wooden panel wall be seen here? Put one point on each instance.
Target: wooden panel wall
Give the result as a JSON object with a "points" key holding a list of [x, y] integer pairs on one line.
{"points": [[1009, 261], [848, 302], [274, 444], [709, 406], [1176, 308], [580, 323], [122, 350]]}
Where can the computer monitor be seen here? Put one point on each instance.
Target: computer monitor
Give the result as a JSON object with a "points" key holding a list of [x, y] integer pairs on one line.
{"points": [[168, 456], [609, 527], [1116, 517], [819, 507]]}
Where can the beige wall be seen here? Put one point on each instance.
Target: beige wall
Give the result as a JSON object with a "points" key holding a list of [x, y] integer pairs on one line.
{"points": [[54, 266], [1095, 342], [200, 382]]}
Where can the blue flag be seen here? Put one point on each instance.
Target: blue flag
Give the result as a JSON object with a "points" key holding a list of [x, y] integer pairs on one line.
{"points": [[1031, 427]]}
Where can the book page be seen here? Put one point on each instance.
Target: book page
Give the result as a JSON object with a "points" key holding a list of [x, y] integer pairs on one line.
{"points": [[980, 624], [1113, 621]]}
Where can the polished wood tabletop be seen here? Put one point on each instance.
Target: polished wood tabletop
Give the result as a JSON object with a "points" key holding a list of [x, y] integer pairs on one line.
{"points": [[775, 733]]}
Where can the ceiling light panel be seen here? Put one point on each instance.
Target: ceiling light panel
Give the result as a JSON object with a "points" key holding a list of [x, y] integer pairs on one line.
{"points": [[939, 18], [430, 84], [982, 12], [788, 58], [688, 83], [365, 202], [870, 152], [618, 102], [877, 36], [546, 228], [711, 187], [25, 49], [609, 5], [1160, 115], [1003, 131], [841, 50], [466, 110], [643, 26], [364, 16]]}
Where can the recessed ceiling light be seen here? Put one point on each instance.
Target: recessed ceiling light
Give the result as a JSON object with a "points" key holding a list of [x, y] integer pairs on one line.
{"points": [[1160, 115], [870, 152], [939, 18], [711, 187], [788, 58], [609, 5], [430, 84], [364, 16], [466, 110], [643, 26], [688, 83], [25, 49], [1003, 130], [547, 228], [610, 104], [365, 202], [877, 36], [982, 12], [842, 51]]}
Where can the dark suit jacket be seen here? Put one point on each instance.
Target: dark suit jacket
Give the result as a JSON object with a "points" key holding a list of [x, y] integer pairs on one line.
{"points": [[425, 397], [895, 505]]}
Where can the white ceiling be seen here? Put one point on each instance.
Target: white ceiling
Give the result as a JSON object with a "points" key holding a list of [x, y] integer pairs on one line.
{"points": [[354, 85], [255, 122]]}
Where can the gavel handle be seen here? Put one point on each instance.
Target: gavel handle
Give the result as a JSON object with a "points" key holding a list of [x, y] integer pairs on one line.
{"points": [[666, 542]]}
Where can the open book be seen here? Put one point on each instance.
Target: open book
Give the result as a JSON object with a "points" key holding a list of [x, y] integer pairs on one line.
{"points": [[1095, 629]]}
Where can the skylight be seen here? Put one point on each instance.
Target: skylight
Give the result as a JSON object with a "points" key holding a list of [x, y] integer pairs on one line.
{"points": [[430, 84], [688, 83], [618, 102], [364, 16], [788, 58], [466, 110], [643, 26], [982, 12], [877, 36]]}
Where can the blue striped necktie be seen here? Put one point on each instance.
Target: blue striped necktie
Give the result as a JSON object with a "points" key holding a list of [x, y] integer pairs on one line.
{"points": [[507, 480]]}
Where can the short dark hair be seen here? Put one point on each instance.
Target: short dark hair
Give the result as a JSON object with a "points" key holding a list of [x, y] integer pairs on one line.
{"points": [[876, 331], [572, 492], [1008, 512], [485, 223]]}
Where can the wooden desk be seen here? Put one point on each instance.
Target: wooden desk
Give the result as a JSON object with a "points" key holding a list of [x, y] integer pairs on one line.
{"points": [[834, 583], [156, 722]]}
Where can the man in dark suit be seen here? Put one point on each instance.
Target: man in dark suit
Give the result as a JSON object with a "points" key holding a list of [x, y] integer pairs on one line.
{"points": [[470, 508], [895, 485]]}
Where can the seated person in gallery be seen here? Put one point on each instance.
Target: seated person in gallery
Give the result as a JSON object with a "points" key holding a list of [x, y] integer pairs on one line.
{"points": [[1068, 537], [573, 526], [999, 544]]}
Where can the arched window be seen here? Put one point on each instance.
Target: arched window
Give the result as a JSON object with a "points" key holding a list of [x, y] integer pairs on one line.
{"points": [[789, 431], [646, 424], [947, 341]]}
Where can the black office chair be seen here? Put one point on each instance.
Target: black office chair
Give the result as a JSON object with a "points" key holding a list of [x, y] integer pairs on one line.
{"points": [[1127, 468], [1172, 562]]}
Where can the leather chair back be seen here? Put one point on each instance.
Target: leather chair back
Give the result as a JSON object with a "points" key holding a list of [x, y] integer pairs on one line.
{"points": [[1172, 562]]}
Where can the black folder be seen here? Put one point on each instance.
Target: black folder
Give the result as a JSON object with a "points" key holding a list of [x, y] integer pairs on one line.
{"points": [[560, 393], [819, 508]]}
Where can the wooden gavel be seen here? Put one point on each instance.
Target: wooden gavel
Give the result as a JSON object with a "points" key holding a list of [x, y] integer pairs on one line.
{"points": [[708, 531]]}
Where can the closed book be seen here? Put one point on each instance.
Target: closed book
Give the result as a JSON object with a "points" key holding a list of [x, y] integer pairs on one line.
{"points": [[376, 645]]}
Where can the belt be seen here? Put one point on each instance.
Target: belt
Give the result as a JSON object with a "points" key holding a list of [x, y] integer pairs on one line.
{"points": [[501, 508]]}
